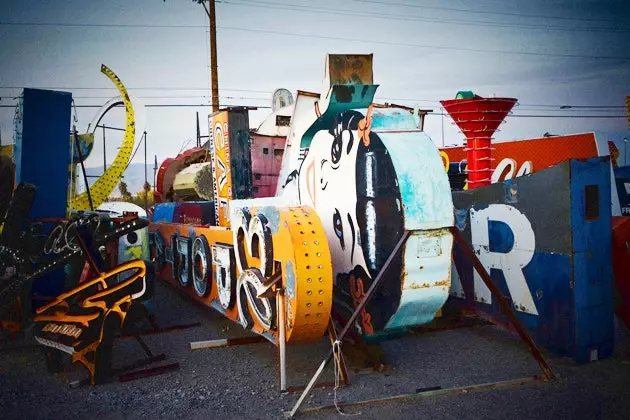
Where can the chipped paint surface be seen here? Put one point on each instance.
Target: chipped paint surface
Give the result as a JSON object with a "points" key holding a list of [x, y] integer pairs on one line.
{"points": [[303, 117], [512, 262], [388, 119], [370, 174], [426, 278], [545, 254], [267, 206], [424, 187]]}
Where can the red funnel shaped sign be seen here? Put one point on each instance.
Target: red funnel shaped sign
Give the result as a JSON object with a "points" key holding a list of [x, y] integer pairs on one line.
{"points": [[478, 118]]}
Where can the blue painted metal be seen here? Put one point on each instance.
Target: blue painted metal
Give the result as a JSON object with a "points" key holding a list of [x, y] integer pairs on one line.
{"points": [[424, 187], [42, 153], [592, 260], [163, 213], [42, 157], [569, 276]]}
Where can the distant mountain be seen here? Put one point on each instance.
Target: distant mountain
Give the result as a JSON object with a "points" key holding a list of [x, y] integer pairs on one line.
{"points": [[133, 176]]}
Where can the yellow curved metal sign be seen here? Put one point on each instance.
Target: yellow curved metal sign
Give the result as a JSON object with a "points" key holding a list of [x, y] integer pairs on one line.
{"points": [[104, 186]]}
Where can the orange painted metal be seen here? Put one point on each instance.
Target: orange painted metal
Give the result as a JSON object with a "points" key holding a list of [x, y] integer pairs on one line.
{"points": [[222, 167], [540, 152], [101, 303], [300, 254]]}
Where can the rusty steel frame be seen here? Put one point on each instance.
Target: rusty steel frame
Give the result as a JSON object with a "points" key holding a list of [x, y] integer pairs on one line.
{"points": [[158, 370], [349, 325], [505, 306], [344, 379], [431, 392], [284, 388], [548, 373]]}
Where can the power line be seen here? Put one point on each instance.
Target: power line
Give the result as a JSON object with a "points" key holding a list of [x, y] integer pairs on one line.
{"points": [[569, 107], [169, 97], [168, 106], [134, 88], [548, 116], [335, 38], [268, 107], [368, 41], [545, 107], [568, 116], [389, 16], [452, 9]]}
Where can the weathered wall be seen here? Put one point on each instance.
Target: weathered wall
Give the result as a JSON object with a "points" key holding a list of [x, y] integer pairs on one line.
{"points": [[267, 152]]}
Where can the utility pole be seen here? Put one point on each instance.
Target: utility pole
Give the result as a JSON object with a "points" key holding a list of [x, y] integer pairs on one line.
{"points": [[198, 132], [214, 77]]}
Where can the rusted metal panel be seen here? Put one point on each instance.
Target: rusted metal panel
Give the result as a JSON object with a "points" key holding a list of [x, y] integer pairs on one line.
{"points": [[349, 69], [533, 235], [238, 127]]}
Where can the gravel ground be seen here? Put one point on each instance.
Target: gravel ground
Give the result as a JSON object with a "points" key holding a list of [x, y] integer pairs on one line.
{"points": [[241, 382]]}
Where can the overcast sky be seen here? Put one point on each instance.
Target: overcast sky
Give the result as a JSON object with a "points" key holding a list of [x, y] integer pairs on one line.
{"points": [[543, 52]]}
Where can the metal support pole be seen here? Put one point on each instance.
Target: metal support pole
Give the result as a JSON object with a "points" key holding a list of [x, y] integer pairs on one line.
{"points": [[350, 324], [146, 191], [104, 151], [505, 306], [282, 340], [87, 186], [155, 169]]}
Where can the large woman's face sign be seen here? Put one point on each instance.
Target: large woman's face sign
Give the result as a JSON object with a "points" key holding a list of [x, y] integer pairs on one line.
{"points": [[328, 183]]}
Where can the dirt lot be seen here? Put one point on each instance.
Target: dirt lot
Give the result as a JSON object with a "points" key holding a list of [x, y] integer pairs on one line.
{"points": [[241, 382]]}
